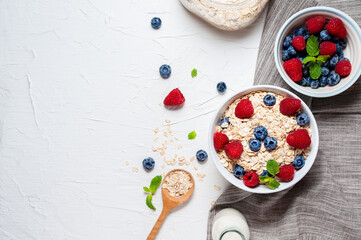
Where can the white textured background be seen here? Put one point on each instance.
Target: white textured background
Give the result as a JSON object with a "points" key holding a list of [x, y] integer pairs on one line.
{"points": [[79, 95]]}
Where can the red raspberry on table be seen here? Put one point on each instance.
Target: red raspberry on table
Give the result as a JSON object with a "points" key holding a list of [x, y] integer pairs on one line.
{"points": [[244, 109], [174, 98], [289, 106], [327, 48], [335, 26], [234, 149], [343, 68], [299, 139], [315, 24], [251, 179], [219, 140], [293, 68], [286, 173], [299, 43]]}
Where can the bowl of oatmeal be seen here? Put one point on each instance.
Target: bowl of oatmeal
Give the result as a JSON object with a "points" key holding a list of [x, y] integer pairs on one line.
{"points": [[264, 139]]}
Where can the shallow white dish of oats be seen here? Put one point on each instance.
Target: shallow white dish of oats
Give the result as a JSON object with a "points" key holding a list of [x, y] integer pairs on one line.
{"points": [[283, 154]]}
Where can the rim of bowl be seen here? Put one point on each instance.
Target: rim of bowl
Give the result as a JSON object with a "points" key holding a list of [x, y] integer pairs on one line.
{"points": [[342, 15], [234, 181]]}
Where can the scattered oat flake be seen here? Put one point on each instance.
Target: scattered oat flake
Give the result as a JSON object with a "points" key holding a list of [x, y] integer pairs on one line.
{"points": [[135, 169], [195, 168], [192, 158], [218, 188], [212, 202], [156, 130], [163, 165], [167, 121], [127, 163]]}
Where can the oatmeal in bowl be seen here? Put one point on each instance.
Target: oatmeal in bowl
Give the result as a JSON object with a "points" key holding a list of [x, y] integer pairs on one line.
{"points": [[265, 139]]}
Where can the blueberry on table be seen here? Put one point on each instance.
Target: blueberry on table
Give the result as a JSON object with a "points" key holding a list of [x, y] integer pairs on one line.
{"points": [[165, 71], [269, 100], [224, 123], [302, 119], [270, 143], [260, 132], [238, 171], [156, 22], [315, 84], [221, 87], [333, 78], [148, 163], [201, 155], [254, 144], [323, 81], [299, 162]]}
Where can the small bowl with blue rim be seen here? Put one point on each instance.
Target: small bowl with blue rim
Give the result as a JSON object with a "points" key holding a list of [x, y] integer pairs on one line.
{"points": [[351, 51]]}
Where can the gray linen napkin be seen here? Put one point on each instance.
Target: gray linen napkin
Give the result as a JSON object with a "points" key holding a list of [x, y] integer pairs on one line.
{"points": [[326, 203]]}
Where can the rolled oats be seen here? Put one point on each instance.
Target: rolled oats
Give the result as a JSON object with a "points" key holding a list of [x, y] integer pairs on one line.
{"points": [[178, 183]]}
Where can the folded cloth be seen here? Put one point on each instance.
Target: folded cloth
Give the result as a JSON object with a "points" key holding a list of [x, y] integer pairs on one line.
{"points": [[326, 203]]}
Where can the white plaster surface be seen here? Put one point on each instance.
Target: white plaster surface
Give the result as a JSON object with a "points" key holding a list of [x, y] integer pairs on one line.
{"points": [[79, 96]]}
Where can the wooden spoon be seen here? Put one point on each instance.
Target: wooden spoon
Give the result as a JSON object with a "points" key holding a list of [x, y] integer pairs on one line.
{"points": [[169, 203]]}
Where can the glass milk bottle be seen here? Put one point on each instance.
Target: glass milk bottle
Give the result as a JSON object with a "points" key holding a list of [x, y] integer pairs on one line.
{"points": [[230, 224]]}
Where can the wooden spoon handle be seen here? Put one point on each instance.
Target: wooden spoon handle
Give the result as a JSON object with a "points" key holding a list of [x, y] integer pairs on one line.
{"points": [[158, 224]]}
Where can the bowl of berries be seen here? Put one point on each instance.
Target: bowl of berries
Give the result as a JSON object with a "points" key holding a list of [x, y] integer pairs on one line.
{"points": [[317, 51], [264, 139]]}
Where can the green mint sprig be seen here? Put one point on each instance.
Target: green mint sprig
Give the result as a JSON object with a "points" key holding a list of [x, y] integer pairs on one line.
{"points": [[314, 59], [154, 184], [194, 73], [192, 135], [273, 169]]}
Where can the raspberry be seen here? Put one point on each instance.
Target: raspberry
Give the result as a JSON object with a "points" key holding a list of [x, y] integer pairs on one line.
{"points": [[290, 106], [343, 68], [251, 179], [315, 24], [299, 139], [244, 109], [293, 68], [342, 34], [327, 48], [174, 98], [334, 26], [219, 140], [234, 149], [299, 43], [286, 173]]}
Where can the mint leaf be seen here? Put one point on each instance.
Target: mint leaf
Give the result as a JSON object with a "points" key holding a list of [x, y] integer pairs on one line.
{"points": [[194, 73], [264, 179], [155, 183], [146, 189], [315, 70], [322, 58], [272, 167], [308, 59], [312, 46], [148, 201], [192, 135], [273, 183]]}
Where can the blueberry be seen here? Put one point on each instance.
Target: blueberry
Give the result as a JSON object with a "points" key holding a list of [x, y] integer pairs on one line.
{"points": [[254, 144], [308, 81], [269, 100], [260, 133], [303, 119], [291, 51], [338, 48], [305, 71], [299, 162], [344, 59], [326, 64], [287, 42], [165, 71], [302, 82], [270, 143], [156, 22], [325, 71], [201, 155], [221, 87], [334, 60], [323, 81], [224, 123], [342, 55], [285, 55], [238, 171], [148, 163], [265, 173], [343, 43], [333, 78], [335, 39], [315, 84], [306, 36], [325, 36], [300, 31]]}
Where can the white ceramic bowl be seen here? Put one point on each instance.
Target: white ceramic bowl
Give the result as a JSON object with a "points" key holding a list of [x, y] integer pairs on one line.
{"points": [[262, 188], [352, 51]]}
